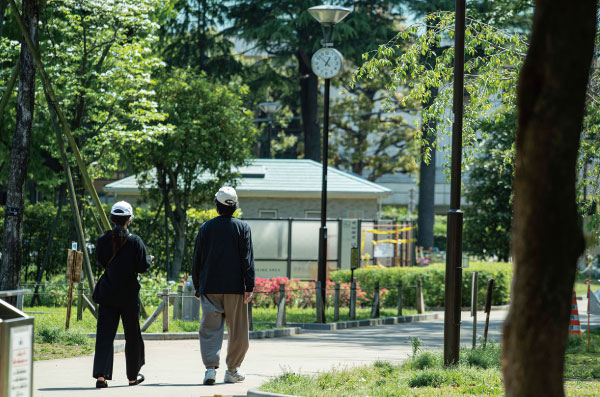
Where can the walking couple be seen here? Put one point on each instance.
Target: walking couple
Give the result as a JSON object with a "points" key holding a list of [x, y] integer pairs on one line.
{"points": [[223, 275]]}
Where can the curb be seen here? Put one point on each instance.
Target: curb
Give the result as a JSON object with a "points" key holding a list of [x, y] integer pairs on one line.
{"points": [[365, 323], [468, 309], [263, 334], [259, 393], [118, 346]]}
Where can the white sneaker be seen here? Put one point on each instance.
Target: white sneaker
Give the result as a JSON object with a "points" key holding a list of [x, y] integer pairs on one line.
{"points": [[210, 376], [234, 376]]}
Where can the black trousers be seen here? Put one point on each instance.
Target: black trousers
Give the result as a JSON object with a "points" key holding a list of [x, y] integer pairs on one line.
{"points": [[108, 322]]}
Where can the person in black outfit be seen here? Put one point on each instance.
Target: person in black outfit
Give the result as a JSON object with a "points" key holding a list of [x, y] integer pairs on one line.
{"points": [[122, 255]]}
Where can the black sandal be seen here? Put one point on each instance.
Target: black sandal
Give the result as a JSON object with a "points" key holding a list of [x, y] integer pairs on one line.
{"points": [[138, 380], [101, 384]]}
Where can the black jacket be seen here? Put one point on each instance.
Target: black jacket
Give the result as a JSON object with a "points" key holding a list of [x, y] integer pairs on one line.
{"points": [[120, 285], [223, 261]]}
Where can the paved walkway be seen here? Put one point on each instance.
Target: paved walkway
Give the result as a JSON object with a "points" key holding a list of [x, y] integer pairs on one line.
{"points": [[174, 368]]}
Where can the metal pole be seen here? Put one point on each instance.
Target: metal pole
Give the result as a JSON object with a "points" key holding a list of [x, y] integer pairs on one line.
{"points": [[322, 271], [474, 282], [455, 216]]}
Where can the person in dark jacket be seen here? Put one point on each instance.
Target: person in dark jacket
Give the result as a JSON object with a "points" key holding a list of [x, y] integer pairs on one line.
{"points": [[122, 255], [223, 275]]}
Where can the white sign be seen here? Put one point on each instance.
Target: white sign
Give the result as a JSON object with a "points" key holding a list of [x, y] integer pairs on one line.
{"points": [[19, 363], [383, 250]]}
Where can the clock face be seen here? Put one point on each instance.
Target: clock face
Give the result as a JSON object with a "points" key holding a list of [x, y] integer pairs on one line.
{"points": [[327, 62]]}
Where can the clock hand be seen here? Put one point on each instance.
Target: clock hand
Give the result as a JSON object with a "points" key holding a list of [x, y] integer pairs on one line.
{"points": [[328, 59]]}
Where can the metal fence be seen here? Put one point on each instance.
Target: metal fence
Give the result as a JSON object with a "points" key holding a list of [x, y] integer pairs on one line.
{"points": [[289, 247]]}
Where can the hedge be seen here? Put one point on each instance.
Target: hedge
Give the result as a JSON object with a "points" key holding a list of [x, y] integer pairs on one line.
{"points": [[433, 278]]}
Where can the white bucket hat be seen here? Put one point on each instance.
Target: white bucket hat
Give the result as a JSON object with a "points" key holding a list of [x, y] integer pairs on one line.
{"points": [[227, 196]]}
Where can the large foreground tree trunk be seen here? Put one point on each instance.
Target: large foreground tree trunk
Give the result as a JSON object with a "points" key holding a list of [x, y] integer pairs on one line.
{"points": [[546, 236], [10, 269]]}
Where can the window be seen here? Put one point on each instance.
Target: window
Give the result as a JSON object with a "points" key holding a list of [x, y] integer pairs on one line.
{"points": [[312, 214], [267, 213]]}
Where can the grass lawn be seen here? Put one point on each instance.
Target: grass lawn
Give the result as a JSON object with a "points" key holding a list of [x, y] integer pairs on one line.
{"points": [[52, 341], [424, 375], [581, 288]]}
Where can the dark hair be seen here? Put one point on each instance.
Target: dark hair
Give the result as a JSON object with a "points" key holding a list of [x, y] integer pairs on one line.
{"points": [[119, 236], [226, 210]]}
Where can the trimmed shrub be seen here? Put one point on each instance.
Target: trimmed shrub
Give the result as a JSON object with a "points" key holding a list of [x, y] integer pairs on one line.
{"points": [[433, 278]]}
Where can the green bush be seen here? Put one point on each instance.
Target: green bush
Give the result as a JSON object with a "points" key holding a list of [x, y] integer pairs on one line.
{"points": [[433, 278], [48, 333]]}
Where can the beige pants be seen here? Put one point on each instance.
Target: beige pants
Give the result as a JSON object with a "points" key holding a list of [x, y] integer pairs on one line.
{"points": [[217, 309]]}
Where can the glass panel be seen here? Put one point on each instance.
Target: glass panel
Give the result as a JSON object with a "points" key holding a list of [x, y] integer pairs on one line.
{"points": [[305, 240], [366, 243], [270, 269], [308, 270], [269, 238]]}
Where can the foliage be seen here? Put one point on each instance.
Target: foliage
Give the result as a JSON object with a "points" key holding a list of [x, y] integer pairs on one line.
{"points": [[210, 135], [189, 38], [424, 374], [288, 35], [433, 278], [488, 218], [99, 58], [301, 294], [365, 138], [493, 59]]}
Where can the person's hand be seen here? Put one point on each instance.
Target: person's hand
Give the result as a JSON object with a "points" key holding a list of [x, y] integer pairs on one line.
{"points": [[195, 295], [248, 296]]}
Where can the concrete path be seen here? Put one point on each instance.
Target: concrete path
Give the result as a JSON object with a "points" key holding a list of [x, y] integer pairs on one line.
{"points": [[174, 368]]}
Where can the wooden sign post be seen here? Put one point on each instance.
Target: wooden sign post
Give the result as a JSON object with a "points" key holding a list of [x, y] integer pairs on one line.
{"points": [[74, 263]]}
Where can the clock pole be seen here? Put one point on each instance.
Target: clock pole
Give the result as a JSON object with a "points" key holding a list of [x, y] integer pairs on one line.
{"points": [[322, 270], [327, 16]]}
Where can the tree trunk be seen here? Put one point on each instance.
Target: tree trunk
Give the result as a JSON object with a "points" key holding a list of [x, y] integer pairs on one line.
{"points": [[3, 6], [19, 157], [178, 220], [546, 238], [426, 206], [309, 93]]}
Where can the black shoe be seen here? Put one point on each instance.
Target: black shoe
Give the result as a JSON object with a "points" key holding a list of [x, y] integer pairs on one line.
{"points": [[138, 380], [101, 384]]}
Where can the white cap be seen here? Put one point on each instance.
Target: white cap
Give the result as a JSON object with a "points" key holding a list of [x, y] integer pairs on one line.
{"points": [[122, 208], [227, 196]]}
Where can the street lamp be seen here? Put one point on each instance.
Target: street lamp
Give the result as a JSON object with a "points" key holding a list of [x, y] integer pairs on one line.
{"points": [[453, 302], [326, 63], [269, 108]]}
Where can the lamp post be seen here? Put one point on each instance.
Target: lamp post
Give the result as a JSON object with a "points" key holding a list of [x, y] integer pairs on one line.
{"points": [[326, 63], [269, 108], [455, 216]]}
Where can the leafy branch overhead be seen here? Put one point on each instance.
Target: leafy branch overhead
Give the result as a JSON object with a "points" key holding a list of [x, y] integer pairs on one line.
{"points": [[493, 60]]}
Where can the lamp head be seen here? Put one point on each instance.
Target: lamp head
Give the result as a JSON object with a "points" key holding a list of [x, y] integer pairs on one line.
{"points": [[329, 15], [269, 107]]}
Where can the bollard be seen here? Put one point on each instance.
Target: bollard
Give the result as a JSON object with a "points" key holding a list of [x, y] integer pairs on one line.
{"points": [[79, 301], [177, 306], [400, 298], [420, 302], [319, 302], [165, 313], [281, 307], [336, 303], [488, 309], [250, 322], [474, 280], [353, 300], [375, 306]]}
